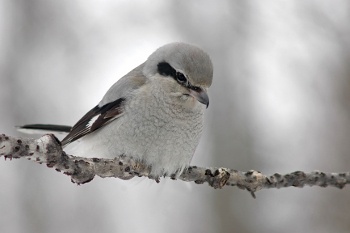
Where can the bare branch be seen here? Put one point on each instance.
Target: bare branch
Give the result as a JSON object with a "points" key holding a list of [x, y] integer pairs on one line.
{"points": [[47, 150]]}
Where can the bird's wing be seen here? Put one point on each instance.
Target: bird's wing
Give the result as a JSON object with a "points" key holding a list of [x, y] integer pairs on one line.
{"points": [[110, 108], [95, 119]]}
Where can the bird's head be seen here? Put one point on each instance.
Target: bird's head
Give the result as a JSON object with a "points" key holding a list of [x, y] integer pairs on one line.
{"points": [[188, 70]]}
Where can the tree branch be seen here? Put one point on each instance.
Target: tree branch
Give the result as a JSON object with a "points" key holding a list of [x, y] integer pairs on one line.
{"points": [[47, 150]]}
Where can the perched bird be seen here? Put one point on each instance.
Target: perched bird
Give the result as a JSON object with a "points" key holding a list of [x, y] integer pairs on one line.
{"points": [[154, 113]]}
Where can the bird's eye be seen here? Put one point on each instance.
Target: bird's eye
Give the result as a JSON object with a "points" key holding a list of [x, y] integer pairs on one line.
{"points": [[181, 78]]}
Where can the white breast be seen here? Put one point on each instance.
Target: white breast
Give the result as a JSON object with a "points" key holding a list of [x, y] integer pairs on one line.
{"points": [[153, 128]]}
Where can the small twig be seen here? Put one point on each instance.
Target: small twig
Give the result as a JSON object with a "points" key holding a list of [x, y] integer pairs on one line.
{"points": [[47, 150]]}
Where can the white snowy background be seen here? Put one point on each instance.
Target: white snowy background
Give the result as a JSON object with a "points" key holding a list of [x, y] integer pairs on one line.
{"points": [[280, 102]]}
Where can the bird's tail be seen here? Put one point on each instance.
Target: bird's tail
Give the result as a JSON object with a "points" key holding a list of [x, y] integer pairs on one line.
{"points": [[42, 129]]}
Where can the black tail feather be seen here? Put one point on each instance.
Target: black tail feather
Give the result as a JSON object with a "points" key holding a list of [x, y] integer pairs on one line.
{"points": [[56, 128]]}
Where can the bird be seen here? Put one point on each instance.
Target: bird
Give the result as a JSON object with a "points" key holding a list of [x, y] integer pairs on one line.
{"points": [[154, 114]]}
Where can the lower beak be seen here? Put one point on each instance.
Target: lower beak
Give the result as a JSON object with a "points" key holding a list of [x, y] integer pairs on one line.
{"points": [[201, 96]]}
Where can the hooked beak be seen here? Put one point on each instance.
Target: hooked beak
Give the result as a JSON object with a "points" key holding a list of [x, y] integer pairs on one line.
{"points": [[201, 96]]}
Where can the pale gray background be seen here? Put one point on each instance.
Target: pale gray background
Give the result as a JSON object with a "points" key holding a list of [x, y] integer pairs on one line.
{"points": [[279, 103]]}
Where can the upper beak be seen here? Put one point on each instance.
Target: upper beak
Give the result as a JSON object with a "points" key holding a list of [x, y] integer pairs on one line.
{"points": [[201, 96]]}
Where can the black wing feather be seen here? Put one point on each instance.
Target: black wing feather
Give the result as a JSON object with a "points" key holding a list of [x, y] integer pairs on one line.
{"points": [[104, 114]]}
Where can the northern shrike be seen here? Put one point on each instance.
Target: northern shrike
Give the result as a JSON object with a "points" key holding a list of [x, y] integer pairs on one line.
{"points": [[153, 114]]}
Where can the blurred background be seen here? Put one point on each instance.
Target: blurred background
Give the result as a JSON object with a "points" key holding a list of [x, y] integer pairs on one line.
{"points": [[279, 103]]}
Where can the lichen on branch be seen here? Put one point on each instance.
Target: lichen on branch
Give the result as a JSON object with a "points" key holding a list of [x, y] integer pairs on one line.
{"points": [[48, 150]]}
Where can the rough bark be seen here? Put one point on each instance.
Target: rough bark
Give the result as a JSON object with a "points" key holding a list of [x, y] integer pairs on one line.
{"points": [[47, 150]]}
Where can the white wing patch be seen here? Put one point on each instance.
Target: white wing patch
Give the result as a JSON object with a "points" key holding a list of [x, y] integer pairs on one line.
{"points": [[93, 120]]}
